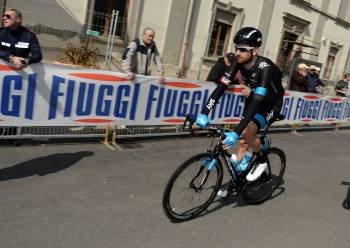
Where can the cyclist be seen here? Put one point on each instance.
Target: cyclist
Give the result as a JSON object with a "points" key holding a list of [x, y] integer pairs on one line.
{"points": [[264, 98]]}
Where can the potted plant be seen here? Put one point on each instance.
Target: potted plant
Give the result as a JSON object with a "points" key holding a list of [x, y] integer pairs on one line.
{"points": [[84, 56]]}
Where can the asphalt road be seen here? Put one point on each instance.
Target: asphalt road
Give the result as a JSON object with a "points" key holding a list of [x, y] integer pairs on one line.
{"points": [[86, 195]]}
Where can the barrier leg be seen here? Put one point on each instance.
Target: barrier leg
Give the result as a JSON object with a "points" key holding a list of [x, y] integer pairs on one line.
{"points": [[106, 139], [114, 141], [294, 130], [337, 126]]}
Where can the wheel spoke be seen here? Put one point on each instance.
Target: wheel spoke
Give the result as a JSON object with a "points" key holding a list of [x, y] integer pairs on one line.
{"points": [[185, 197], [264, 186]]}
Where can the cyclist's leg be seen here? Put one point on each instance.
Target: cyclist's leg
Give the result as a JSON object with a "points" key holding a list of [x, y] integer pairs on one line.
{"points": [[263, 118], [248, 141]]}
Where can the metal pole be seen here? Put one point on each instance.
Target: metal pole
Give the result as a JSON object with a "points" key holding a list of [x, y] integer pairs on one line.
{"points": [[109, 37], [112, 39]]}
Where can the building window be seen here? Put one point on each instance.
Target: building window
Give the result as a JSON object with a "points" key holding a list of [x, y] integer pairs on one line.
{"points": [[219, 39], [221, 32], [102, 14], [286, 53], [330, 62]]}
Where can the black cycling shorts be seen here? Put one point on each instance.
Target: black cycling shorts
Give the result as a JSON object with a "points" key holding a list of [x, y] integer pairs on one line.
{"points": [[267, 113]]}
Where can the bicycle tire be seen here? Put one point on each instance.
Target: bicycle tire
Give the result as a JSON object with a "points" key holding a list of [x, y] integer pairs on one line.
{"points": [[170, 208], [271, 177]]}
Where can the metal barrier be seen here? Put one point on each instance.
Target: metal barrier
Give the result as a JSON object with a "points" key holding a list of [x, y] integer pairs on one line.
{"points": [[51, 132], [111, 134]]}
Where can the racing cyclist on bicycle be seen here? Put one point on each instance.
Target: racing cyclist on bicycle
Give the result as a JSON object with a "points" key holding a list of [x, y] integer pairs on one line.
{"points": [[264, 97]]}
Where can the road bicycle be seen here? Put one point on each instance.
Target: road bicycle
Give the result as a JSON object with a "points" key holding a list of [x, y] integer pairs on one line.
{"points": [[196, 182]]}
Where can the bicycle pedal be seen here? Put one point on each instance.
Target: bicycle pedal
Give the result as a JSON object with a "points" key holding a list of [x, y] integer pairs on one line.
{"points": [[222, 193]]}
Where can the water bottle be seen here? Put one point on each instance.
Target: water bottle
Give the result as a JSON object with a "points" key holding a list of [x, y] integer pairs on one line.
{"points": [[243, 165]]}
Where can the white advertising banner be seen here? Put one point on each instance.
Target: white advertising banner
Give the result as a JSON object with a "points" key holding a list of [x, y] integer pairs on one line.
{"points": [[52, 95]]}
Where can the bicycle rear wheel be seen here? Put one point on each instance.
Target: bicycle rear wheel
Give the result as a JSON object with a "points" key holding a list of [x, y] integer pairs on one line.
{"points": [[191, 188], [259, 190]]}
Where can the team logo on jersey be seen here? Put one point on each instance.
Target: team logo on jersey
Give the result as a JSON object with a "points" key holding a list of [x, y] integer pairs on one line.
{"points": [[269, 116], [211, 104], [263, 64], [225, 79]]}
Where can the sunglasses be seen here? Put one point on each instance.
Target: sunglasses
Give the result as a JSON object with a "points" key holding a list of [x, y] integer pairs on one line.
{"points": [[244, 49], [7, 16]]}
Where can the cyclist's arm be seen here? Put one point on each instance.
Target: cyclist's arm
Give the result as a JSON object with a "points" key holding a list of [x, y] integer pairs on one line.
{"points": [[258, 96], [225, 81], [214, 97]]}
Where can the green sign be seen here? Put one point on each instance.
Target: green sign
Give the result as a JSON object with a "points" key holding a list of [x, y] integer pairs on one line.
{"points": [[93, 33]]}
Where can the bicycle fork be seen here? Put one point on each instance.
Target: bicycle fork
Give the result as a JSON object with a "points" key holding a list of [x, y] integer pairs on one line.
{"points": [[205, 165]]}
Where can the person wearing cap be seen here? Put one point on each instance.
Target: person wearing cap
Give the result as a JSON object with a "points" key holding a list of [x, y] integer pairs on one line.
{"points": [[314, 85], [224, 64], [299, 80]]}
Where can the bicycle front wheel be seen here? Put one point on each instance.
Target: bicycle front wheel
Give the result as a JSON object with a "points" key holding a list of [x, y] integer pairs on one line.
{"points": [[191, 188], [261, 189]]}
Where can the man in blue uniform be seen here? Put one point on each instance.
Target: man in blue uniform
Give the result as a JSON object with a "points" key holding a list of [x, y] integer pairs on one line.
{"points": [[264, 97], [18, 45]]}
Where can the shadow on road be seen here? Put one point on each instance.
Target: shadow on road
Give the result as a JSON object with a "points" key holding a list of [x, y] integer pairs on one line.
{"points": [[238, 200], [42, 166], [346, 202]]}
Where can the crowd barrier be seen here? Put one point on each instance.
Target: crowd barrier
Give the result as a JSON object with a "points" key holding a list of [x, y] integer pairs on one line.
{"points": [[46, 100]]}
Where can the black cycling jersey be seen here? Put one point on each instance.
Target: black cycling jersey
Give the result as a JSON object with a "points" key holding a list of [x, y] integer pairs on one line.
{"points": [[265, 80]]}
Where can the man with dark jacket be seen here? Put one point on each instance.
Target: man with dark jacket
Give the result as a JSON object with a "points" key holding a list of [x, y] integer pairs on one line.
{"points": [[314, 82], [223, 65], [298, 81], [18, 45], [342, 86]]}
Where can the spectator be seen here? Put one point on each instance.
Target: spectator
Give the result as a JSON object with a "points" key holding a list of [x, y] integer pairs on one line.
{"points": [[299, 80], [138, 55], [223, 65], [18, 45], [315, 85], [343, 86]]}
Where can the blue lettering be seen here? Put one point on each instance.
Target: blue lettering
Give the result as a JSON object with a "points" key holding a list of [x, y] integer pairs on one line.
{"points": [[121, 106], [150, 101], [103, 106], [55, 93], [182, 108], [135, 98], [69, 98], [229, 105], [160, 102], [30, 96], [195, 107], [83, 97], [7, 97], [170, 103], [239, 106]]}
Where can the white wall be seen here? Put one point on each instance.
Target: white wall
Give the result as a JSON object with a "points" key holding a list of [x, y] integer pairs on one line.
{"points": [[60, 14], [155, 14]]}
